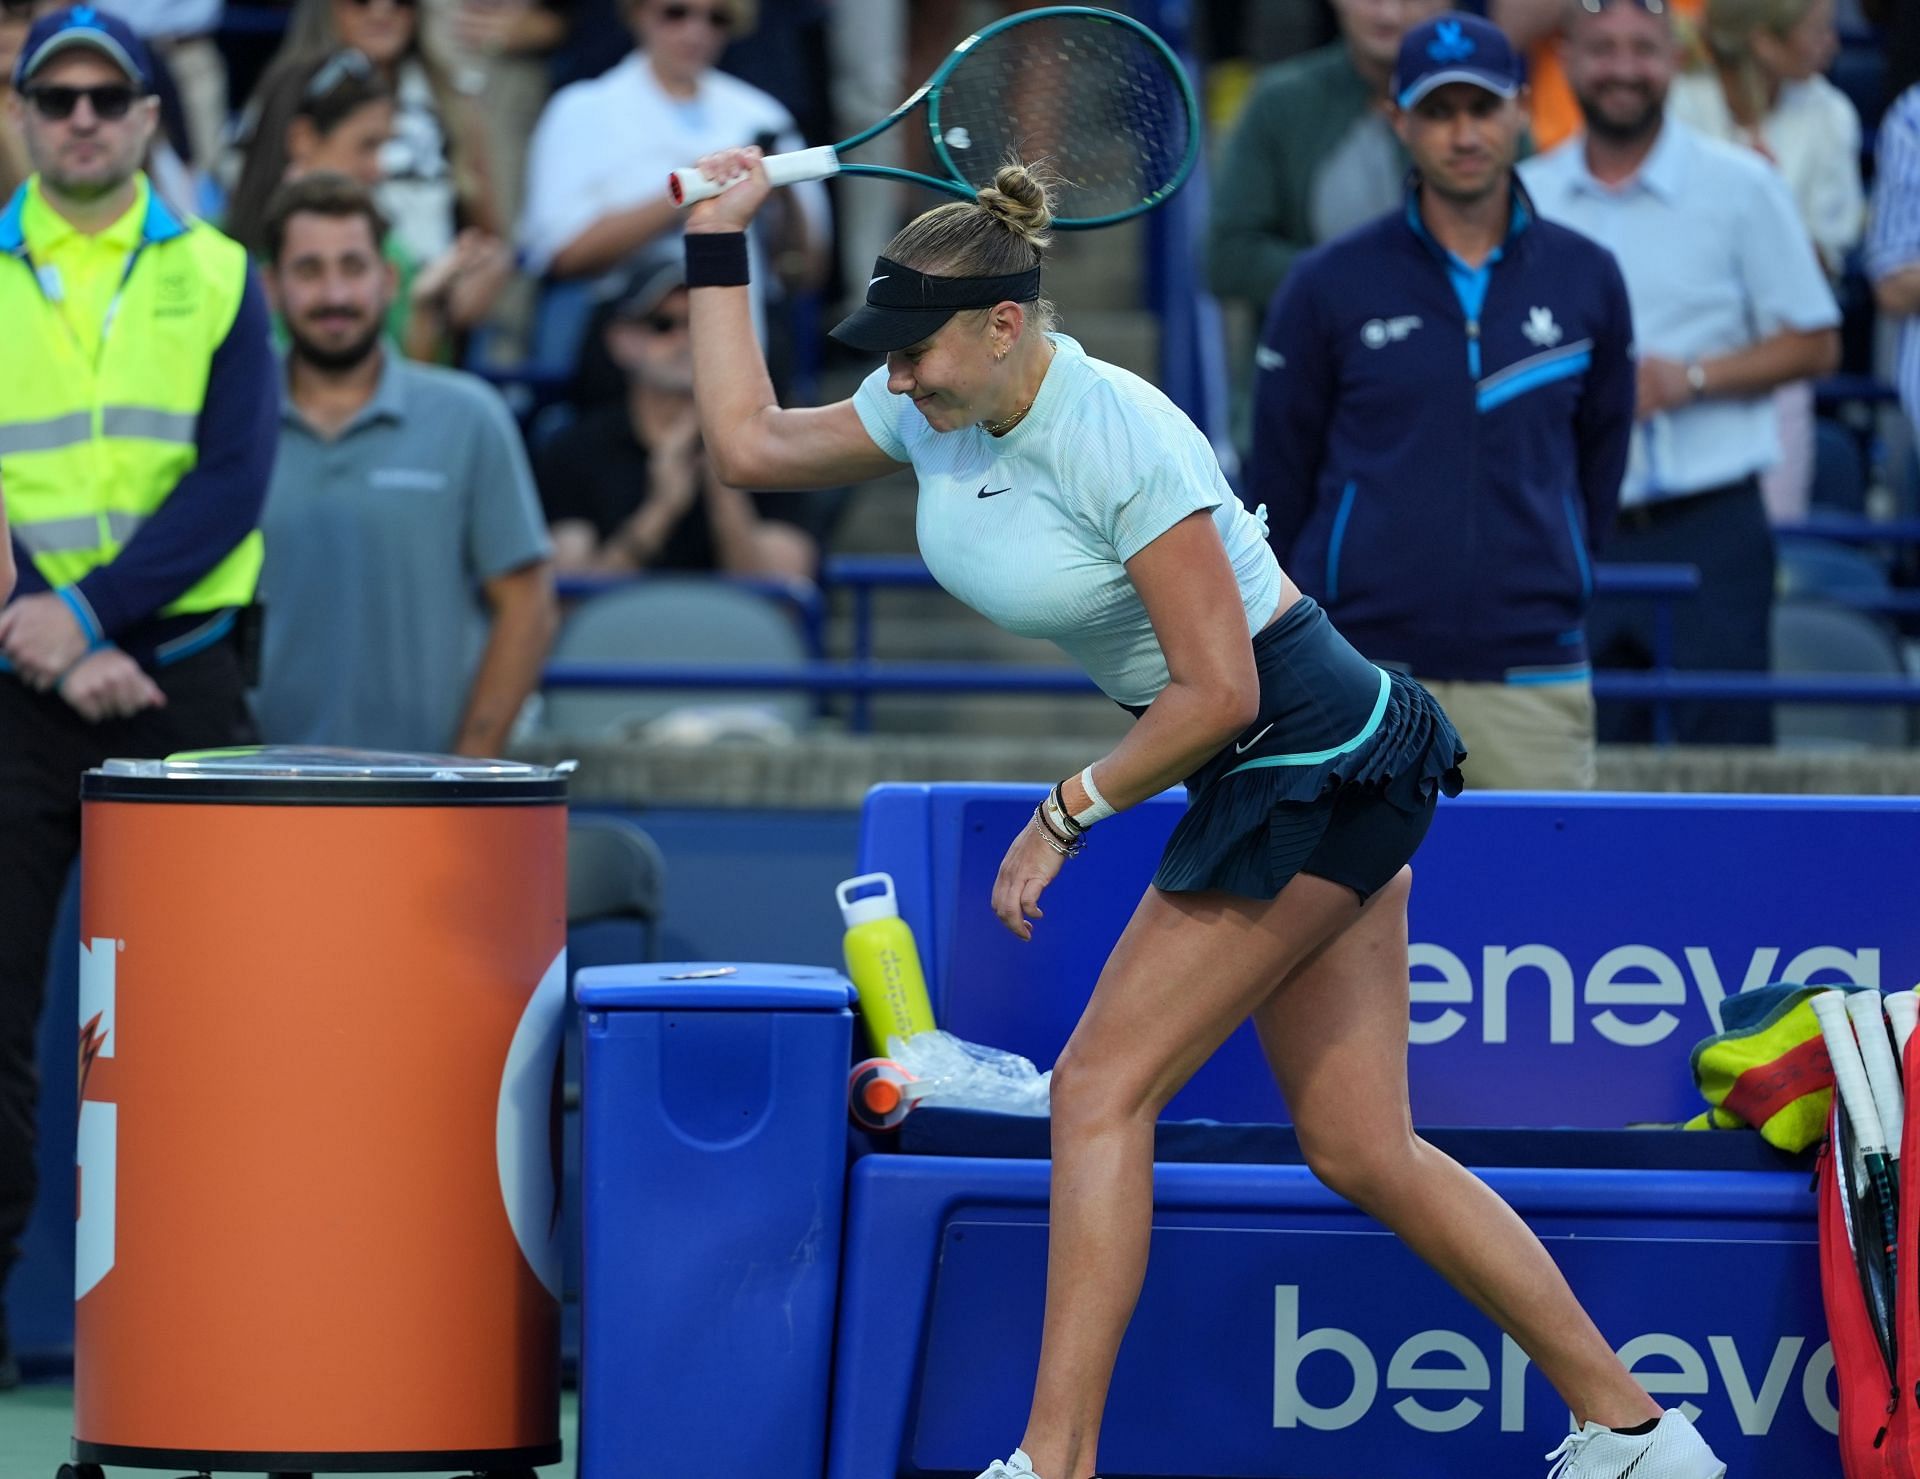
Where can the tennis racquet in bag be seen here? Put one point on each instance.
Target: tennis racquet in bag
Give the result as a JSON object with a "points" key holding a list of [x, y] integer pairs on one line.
{"points": [[1094, 94]]}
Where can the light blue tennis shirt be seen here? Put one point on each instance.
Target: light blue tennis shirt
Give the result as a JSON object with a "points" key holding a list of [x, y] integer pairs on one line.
{"points": [[1033, 529], [1715, 259]]}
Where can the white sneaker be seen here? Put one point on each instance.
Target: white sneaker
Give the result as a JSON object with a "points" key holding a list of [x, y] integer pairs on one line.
{"points": [[1017, 1467], [1673, 1450]]}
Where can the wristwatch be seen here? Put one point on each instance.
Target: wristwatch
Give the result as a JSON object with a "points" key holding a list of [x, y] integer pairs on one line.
{"points": [[1696, 378]]}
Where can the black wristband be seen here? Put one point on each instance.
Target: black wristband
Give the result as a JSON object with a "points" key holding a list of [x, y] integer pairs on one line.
{"points": [[717, 259]]}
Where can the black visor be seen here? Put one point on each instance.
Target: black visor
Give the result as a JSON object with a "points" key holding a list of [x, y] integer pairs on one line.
{"points": [[904, 306]]}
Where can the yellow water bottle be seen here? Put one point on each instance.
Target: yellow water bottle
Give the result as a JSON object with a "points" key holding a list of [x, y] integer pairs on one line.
{"points": [[882, 962]]}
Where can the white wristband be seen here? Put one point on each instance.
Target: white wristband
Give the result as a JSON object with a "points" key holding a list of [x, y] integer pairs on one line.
{"points": [[1097, 809]]}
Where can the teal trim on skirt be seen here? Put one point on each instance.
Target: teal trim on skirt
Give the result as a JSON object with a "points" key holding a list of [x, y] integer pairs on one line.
{"points": [[1337, 777]]}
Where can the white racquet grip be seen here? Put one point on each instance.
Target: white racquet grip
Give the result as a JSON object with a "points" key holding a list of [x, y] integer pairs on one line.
{"points": [[1904, 1008], [1876, 1054], [1849, 1074], [688, 185]]}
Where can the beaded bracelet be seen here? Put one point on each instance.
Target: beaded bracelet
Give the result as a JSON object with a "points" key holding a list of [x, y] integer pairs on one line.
{"points": [[1064, 849]]}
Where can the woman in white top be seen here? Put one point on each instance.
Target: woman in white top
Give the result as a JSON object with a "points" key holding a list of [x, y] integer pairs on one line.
{"points": [[1763, 89], [1066, 498]]}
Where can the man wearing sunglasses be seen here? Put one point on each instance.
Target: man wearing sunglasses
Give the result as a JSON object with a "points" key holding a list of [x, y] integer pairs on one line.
{"points": [[137, 412]]}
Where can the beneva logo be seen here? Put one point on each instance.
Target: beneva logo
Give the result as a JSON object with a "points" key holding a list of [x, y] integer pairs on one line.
{"points": [[1632, 995], [1430, 1366]]}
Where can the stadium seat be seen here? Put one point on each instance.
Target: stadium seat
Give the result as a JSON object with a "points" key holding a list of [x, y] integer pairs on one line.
{"points": [[1839, 470], [683, 619], [614, 873], [1812, 636], [1813, 568]]}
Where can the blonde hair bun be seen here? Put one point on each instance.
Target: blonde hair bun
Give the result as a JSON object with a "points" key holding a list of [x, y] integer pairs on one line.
{"points": [[1021, 199]]}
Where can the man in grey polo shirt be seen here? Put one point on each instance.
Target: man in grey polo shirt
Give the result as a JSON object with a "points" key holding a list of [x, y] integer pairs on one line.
{"points": [[1729, 302], [408, 584]]}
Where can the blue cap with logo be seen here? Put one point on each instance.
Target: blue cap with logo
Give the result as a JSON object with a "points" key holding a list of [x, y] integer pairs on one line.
{"points": [[1456, 47], [84, 26]]}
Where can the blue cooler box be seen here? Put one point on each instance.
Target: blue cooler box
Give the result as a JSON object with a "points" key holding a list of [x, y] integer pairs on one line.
{"points": [[713, 1156]]}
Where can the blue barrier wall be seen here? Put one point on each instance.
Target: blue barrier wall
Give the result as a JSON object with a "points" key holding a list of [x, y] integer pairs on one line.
{"points": [[1567, 952]]}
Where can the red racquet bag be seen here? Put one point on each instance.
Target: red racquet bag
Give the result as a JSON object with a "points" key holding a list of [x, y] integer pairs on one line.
{"points": [[1879, 1419]]}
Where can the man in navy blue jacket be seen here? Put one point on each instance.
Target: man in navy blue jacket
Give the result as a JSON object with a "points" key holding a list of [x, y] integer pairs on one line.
{"points": [[1443, 411]]}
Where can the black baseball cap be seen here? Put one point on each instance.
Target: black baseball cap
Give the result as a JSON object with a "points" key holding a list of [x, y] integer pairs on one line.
{"points": [[1456, 47], [89, 27], [905, 306]]}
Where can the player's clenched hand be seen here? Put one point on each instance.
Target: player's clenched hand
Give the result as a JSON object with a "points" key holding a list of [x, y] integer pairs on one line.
{"points": [[1029, 866], [732, 209]]}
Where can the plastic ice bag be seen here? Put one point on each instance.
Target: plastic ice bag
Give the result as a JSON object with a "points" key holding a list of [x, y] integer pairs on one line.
{"points": [[951, 1071]]}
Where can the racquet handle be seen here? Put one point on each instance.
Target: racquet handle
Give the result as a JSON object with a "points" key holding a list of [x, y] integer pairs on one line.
{"points": [[688, 185], [1849, 1074], [1876, 1055], [1904, 1008]]}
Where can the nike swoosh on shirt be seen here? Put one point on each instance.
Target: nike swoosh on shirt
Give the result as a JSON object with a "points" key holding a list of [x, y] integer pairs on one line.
{"points": [[1241, 749], [881, 278], [994, 493]]}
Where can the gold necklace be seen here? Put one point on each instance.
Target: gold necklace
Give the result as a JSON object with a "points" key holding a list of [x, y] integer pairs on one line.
{"points": [[1007, 424]]}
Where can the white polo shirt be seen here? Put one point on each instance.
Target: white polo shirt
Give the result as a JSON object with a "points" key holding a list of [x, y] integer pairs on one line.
{"points": [[1715, 260], [609, 143]]}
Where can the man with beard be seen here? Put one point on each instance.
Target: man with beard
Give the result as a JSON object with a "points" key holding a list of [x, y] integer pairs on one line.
{"points": [[1442, 411], [1729, 302], [136, 436], [408, 579]]}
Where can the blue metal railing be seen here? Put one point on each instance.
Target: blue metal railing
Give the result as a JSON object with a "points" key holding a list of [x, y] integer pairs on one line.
{"points": [[861, 678]]}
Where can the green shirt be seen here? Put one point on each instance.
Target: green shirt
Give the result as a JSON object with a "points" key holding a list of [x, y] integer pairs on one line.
{"points": [[1299, 114]]}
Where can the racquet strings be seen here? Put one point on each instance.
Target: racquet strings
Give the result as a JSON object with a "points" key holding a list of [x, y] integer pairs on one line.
{"points": [[1098, 102]]}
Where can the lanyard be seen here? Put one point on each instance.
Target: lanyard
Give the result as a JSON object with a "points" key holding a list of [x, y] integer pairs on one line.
{"points": [[47, 279]]}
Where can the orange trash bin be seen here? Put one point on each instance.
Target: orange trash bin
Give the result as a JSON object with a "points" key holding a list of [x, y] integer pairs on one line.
{"points": [[322, 999]]}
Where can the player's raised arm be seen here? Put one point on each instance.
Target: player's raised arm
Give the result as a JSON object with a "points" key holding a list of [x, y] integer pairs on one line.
{"points": [[751, 441]]}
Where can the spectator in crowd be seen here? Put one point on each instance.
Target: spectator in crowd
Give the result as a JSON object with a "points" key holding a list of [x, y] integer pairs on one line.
{"points": [[437, 175], [505, 47], [15, 17], [598, 166], [1535, 27], [1442, 414], [133, 528], [1313, 154], [1729, 303], [335, 113], [408, 574], [627, 487], [181, 33], [1893, 247], [1763, 89]]}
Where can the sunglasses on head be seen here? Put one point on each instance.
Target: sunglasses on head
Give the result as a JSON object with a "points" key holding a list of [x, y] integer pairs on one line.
{"points": [[110, 102], [337, 69], [675, 13]]}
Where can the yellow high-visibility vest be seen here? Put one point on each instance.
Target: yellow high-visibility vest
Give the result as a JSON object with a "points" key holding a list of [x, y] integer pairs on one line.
{"points": [[95, 437]]}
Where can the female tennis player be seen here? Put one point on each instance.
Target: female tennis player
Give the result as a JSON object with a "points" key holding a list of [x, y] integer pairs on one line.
{"points": [[1066, 498]]}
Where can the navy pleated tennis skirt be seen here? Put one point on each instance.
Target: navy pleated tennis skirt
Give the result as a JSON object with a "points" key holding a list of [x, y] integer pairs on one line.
{"points": [[1337, 777]]}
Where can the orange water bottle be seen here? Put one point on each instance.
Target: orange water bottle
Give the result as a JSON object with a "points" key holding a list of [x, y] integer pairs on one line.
{"points": [[882, 962]]}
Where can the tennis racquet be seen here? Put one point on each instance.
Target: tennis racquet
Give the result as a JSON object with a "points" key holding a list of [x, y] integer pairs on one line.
{"points": [[1904, 1008], [1096, 95], [1869, 1143]]}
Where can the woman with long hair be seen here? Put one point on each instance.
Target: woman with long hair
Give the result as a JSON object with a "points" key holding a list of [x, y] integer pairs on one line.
{"points": [[334, 112], [438, 177]]}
